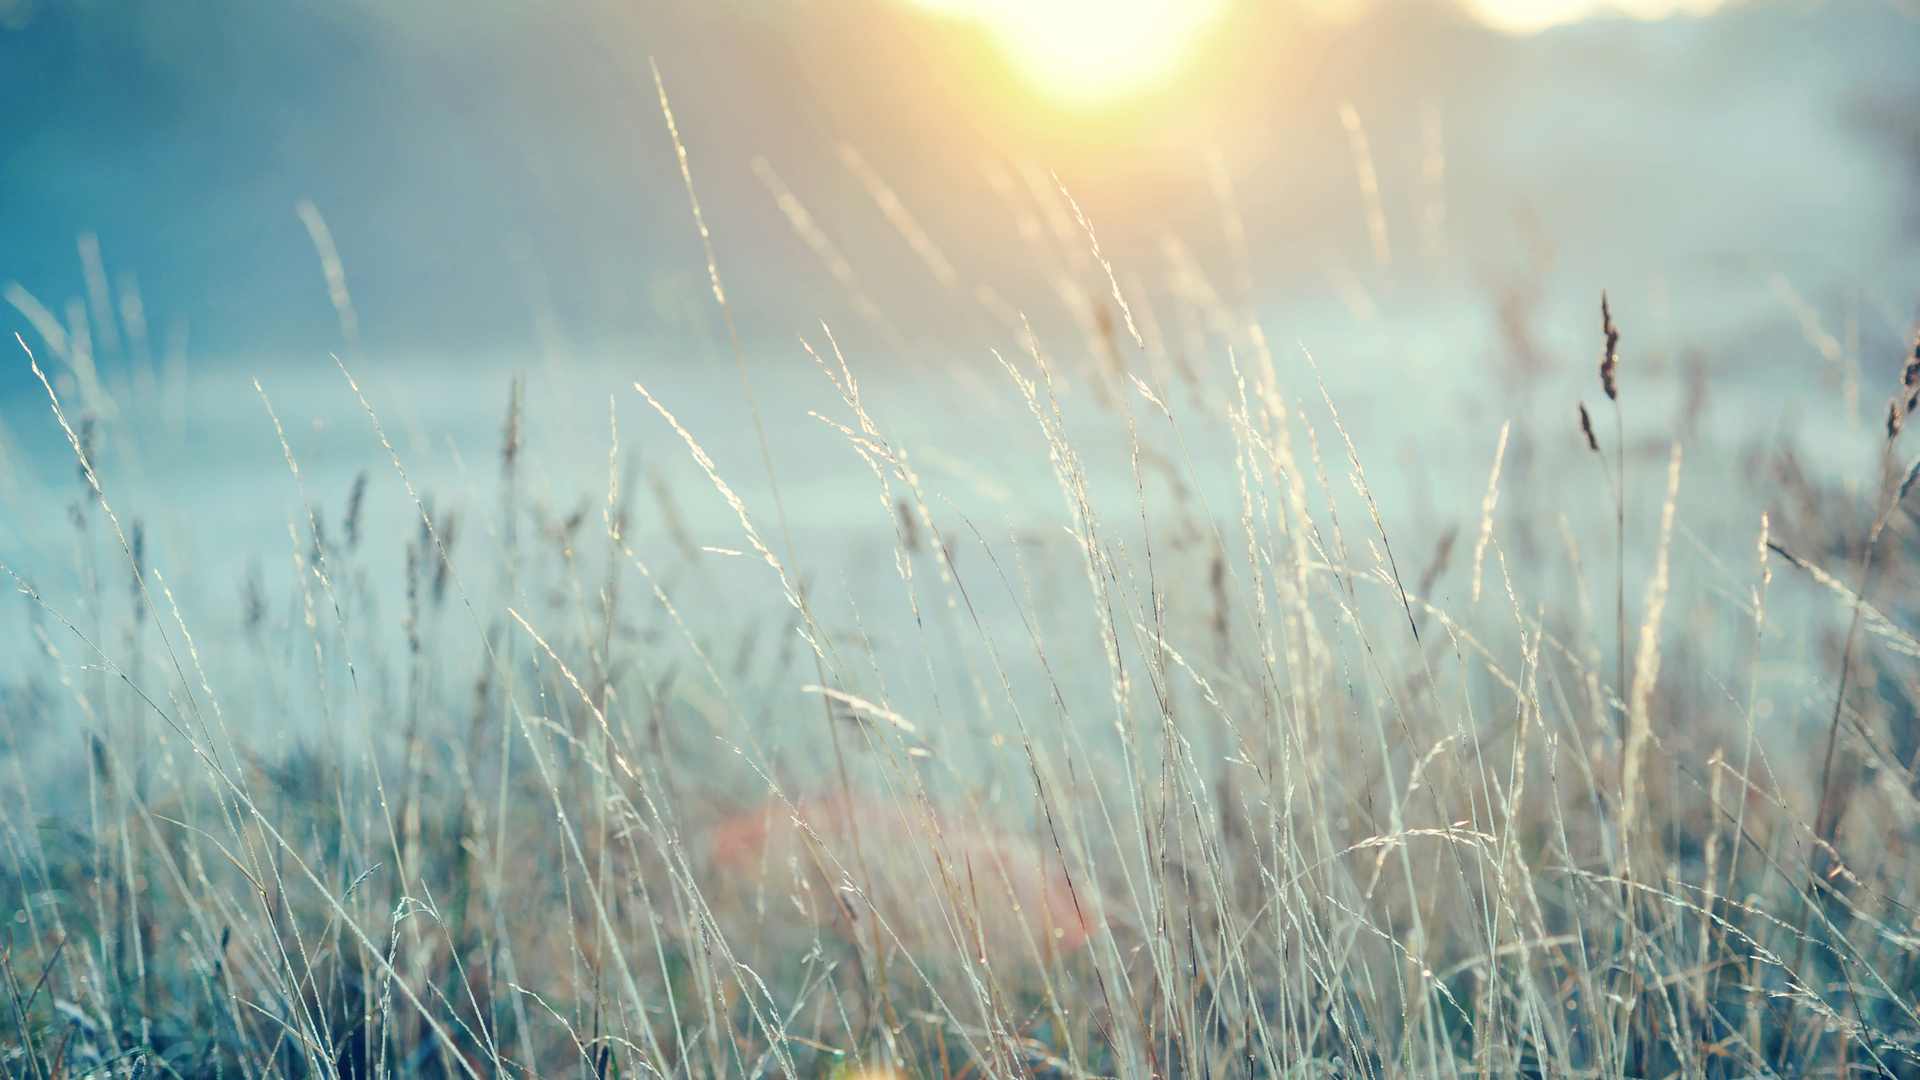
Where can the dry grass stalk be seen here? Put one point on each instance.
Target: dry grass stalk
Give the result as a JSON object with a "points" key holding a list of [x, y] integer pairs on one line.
{"points": [[1646, 664]]}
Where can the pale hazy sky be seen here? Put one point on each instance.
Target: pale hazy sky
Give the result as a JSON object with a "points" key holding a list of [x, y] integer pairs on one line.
{"points": [[1526, 16]]}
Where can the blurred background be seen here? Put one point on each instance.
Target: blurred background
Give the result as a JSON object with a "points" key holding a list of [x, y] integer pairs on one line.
{"points": [[1426, 195], [498, 179]]}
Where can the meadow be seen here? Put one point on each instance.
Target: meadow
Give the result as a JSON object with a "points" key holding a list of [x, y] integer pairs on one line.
{"points": [[1149, 738]]}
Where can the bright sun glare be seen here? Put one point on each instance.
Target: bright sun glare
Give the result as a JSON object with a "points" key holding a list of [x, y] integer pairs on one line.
{"points": [[1088, 51]]}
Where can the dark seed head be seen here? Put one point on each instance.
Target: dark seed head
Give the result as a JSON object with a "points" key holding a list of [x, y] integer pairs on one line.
{"points": [[510, 441], [355, 500], [909, 529], [255, 602], [87, 432], [1610, 359], [443, 553], [139, 553]]}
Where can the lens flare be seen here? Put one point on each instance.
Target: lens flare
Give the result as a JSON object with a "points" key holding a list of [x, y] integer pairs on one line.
{"points": [[1089, 51]]}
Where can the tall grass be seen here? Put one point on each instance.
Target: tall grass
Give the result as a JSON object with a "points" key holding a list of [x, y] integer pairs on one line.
{"points": [[1192, 782]]}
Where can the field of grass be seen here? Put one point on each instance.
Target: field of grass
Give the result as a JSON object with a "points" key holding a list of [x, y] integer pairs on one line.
{"points": [[1202, 770]]}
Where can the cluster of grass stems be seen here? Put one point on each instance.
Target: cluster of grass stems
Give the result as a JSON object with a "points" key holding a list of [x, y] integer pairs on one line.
{"points": [[1303, 815]]}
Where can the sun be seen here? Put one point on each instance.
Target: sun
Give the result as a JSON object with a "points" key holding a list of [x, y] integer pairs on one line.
{"points": [[1086, 52]]}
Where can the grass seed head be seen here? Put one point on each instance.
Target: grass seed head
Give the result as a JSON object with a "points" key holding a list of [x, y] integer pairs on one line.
{"points": [[510, 440], [1610, 359], [87, 433], [355, 500], [443, 553], [909, 529], [138, 555]]}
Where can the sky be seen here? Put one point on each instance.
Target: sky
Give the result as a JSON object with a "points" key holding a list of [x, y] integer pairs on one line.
{"points": [[1087, 50], [498, 181], [1532, 16]]}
